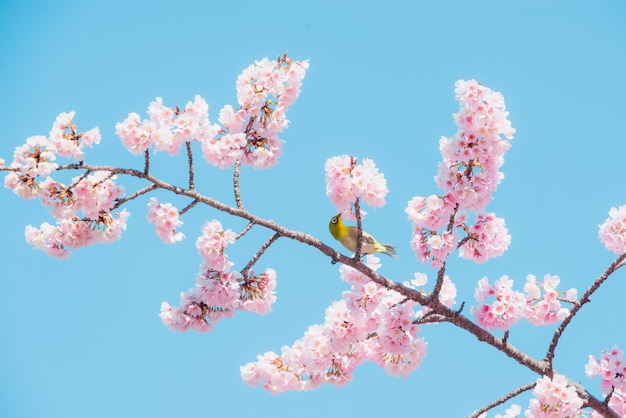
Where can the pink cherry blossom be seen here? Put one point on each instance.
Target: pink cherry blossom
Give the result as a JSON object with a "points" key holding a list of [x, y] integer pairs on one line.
{"points": [[613, 231], [540, 304], [22, 185], [165, 219], [96, 194], [611, 367], [212, 242], [168, 128], [346, 181], [257, 292], [507, 308], [554, 398], [265, 90], [59, 197], [66, 139], [546, 309], [513, 411], [74, 233], [217, 295], [487, 238], [35, 157], [370, 322]]}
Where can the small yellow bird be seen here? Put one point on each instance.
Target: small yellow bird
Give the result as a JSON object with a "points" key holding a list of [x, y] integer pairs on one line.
{"points": [[347, 236]]}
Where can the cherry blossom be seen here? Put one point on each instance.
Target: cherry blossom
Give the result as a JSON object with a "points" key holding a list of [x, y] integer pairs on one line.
{"points": [[164, 216], [554, 398], [613, 231], [611, 367], [370, 322], [74, 233], [66, 139], [212, 242], [347, 181]]}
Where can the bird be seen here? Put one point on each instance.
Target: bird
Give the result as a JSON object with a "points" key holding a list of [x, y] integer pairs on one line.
{"points": [[347, 236]]}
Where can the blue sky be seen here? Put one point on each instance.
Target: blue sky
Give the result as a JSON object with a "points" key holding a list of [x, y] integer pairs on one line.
{"points": [[82, 337]]}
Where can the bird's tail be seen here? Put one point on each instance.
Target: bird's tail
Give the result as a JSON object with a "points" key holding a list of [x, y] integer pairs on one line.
{"points": [[390, 250]]}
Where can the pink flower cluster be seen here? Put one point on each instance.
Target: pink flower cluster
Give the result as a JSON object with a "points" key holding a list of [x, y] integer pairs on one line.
{"points": [[167, 129], [370, 322], [164, 216], [468, 176], [95, 195], [75, 233], [68, 141], [347, 181], [487, 238], [554, 398], [265, 91], [546, 309], [611, 367], [219, 292], [511, 306], [36, 157], [613, 231]]}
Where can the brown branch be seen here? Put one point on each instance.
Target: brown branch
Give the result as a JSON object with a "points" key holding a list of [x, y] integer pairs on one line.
{"points": [[259, 253], [138, 193], [244, 231], [190, 161], [359, 229], [579, 304], [541, 367], [146, 168], [189, 206], [238, 200], [502, 400]]}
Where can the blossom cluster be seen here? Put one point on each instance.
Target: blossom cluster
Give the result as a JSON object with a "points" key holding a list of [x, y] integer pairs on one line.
{"points": [[265, 91], [66, 139], [369, 323], [611, 367], [95, 196], [467, 176], [613, 231], [219, 291], [167, 128], [554, 398], [539, 304], [164, 216], [84, 209], [347, 181]]}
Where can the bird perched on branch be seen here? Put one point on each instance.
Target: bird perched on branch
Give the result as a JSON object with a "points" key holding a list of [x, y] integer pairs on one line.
{"points": [[347, 236]]}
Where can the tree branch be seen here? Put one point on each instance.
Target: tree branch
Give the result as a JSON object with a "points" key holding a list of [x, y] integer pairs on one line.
{"points": [[502, 400], [236, 188], [359, 229], [190, 161], [541, 367], [259, 253], [579, 304]]}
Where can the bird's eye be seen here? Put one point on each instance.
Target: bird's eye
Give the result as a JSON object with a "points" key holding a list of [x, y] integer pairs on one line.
{"points": [[334, 220]]}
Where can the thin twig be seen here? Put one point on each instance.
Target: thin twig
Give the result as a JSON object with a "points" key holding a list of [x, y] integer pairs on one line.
{"points": [[79, 179], [189, 206], [259, 253], [236, 188], [138, 193], [359, 230], [190, 160], [146, 168], [244, 231], [579, 304], [503, 399]]}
